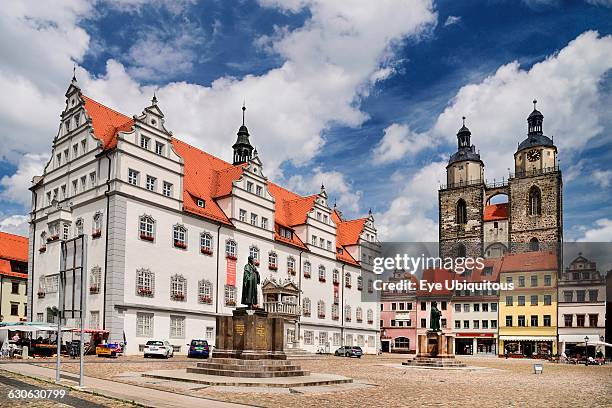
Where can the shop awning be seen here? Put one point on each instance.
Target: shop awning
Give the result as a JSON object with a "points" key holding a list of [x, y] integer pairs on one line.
{"points": [[529, 338], [579, 338]]}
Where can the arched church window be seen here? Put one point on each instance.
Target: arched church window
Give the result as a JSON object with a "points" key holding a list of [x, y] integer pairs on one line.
{"points": [[534, 244], [461, 251], [461, 216], [535, 201]]}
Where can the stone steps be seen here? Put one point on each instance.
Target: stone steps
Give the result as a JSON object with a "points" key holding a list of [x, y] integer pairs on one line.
{"points": [[434, 362], [241, 362], [248, 374], [248, 367], [301, 354]]}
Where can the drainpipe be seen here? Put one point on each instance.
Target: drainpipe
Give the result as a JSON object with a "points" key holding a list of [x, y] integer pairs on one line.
{"points": [[31, 301], [218, 260], [342, 283], [106, 237]]}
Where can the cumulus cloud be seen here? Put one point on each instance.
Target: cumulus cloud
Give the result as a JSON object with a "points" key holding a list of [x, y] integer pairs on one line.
{"points": [[600, 232], [452, 20], [398, 141], [328, 65], [337, 186], [408, 217], [14, 188], [15, 224], [566, 86], [602, 178]]}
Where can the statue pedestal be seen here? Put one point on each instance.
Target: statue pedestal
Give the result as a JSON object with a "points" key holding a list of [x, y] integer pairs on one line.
{"points": [[249, 335], [435, 349], [436, 344], [249, 344]]}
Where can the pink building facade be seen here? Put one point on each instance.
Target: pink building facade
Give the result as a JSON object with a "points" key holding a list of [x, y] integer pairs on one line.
{"points": [[398, 319]]}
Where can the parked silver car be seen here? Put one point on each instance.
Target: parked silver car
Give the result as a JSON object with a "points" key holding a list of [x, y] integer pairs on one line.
{"points": [[158, 348]]}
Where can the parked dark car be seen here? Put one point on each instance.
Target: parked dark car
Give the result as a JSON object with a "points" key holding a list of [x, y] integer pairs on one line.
{"points": [[349, 351], [198, 348]]}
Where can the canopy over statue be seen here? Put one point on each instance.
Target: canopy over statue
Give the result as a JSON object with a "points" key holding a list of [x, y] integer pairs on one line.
{"points": [[250, 280], [434, 317]]}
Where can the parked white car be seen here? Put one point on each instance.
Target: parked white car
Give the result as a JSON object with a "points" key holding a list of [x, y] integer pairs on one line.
{"points": [[158, 348]]}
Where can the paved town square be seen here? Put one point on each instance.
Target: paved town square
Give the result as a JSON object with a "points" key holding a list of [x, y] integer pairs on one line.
{"points": [[383, 381]]}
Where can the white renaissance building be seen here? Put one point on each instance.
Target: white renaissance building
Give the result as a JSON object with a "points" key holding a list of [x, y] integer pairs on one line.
{"points": [[170, 228]]}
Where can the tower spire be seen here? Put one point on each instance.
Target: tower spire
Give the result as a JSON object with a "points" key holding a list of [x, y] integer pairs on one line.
{"points": [[243, 150], [243, 111], [154, 100]]}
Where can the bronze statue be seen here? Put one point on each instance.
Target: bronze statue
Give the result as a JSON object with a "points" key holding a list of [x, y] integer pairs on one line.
{"points": [[250, 280], [434, 317]]}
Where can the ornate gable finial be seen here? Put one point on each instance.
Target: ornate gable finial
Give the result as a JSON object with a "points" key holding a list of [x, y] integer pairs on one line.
{"points": [[154, 100], [74, 80], [243, 110]]}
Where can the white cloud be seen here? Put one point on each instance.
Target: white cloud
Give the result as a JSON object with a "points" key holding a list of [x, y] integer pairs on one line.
{"points": [[602, 177], [407, 217], [329, 64], [566, 86], [600, 232], [397, 142], [15, 224], [14, 188], [338, 188], [452, 20]]}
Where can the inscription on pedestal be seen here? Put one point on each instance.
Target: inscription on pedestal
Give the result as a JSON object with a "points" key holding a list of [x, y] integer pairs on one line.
{"points": [[261, 340], [239, 328]]}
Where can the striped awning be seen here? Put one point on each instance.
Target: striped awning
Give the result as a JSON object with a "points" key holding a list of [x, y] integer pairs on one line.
{"points": [[528, 338]]}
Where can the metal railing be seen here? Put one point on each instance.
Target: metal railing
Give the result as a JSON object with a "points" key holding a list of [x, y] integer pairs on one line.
{"points": [[461, 184], [281, 308], [535, 172]]}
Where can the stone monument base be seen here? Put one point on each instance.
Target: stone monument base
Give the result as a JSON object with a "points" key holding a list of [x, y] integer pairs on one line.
{"points": [[249, 344], [435, 349]]}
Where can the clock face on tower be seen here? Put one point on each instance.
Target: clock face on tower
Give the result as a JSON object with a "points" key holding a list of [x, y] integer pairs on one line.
{"points": [[533, 155]]}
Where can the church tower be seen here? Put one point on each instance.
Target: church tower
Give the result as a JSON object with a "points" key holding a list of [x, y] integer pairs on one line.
{"points": [[243, 151], [461, 200], [536, 211]]}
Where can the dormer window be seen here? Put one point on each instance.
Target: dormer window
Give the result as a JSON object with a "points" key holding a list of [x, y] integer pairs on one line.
{"points": [[200, 203], [144, 142]]}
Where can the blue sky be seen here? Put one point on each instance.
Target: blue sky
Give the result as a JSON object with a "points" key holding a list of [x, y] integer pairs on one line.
{"points": [[318, 115]]}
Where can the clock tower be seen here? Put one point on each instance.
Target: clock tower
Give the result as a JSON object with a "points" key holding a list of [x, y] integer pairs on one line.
{"points": [[535, 197]]}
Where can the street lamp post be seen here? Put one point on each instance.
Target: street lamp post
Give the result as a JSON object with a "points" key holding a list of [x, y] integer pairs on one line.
{"points": [[586, 351]]}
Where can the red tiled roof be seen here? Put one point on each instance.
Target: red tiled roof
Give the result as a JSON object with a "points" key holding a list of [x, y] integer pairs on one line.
{"points": [[106, 122], [209, 178], [6, 270], [529, 261], [438, 275], [496, 212], [478, 273], [13, 247]]}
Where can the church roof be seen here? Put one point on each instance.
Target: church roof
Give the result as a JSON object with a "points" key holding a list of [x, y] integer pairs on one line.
{"points": [[209, 178], [535, 140], [464, 154], [496, 212]]}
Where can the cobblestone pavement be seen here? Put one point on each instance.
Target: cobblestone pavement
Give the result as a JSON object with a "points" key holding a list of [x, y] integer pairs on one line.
{"points": [[503, 383], [15, 383]]}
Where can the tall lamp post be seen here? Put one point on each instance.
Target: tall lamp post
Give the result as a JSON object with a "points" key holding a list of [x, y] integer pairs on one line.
{"points": [[586, 351]]}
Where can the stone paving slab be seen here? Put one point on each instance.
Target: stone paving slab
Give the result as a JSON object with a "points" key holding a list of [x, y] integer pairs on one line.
{"points": [[314, 379]]}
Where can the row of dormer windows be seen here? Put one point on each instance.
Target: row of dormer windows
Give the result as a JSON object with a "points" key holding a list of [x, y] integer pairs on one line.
{"points": [[320, 242], [75, 119], [324, 218], [151, 183], [79, 184], [145, 143], [254, 220]]}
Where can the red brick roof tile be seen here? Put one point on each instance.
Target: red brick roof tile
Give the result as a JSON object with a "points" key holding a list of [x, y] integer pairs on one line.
{"points": [[496, 212], [13, 247], [529, 261]]}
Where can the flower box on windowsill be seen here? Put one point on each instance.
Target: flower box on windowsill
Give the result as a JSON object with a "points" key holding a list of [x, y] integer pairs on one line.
{"points": [[178, 296], [96, 234], [359, 320], [336, 283], [145, 292], [255, 262], [42, 249], [348, 285], [291, 271], [306, 314], [179, 244], [53, 238], [321, 279], [206, 251], [321, 316], [336, 301], [370, 321], [232, 257], [273, 267], [335, 317], [370, 290], [348, 319], [306, 275], [206, 300], [146, 237], [41, 295], [359, 288], [94, 289], [231, 303]]}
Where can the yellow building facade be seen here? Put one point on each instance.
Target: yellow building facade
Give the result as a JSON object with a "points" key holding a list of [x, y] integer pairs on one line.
{"points": [[528, 313]]}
